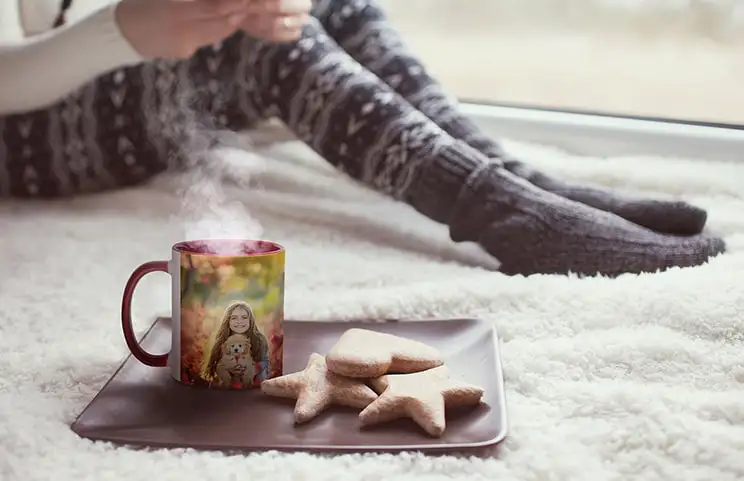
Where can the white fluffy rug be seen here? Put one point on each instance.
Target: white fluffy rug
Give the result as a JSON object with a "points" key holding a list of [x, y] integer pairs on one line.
{"points": [[635, 378]]}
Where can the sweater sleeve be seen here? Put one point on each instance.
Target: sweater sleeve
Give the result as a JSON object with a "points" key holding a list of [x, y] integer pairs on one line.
{"points": [[39, 71]]}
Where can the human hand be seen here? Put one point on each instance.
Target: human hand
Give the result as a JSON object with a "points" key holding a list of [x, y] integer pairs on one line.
{"points": [[237, 370], [175, 29], [276, 20]]}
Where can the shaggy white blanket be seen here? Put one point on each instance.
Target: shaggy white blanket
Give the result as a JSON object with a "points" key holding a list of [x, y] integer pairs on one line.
{"points": [[639, 377]]}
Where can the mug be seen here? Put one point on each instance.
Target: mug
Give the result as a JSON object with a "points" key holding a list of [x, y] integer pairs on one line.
{"points": [[228, 312]]}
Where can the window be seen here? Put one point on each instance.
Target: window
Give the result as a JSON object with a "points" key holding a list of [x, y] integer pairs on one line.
{"points": [[674, 59]]}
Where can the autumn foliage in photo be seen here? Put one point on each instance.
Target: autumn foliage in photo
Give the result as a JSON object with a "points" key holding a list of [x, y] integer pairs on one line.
{"points": [[209, 284]]}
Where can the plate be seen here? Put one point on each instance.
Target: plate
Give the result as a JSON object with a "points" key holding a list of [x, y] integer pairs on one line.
{"points": [[145, 406]]}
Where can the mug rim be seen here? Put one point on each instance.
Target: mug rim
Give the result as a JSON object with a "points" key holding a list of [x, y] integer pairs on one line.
{"points": [[187, 247]]}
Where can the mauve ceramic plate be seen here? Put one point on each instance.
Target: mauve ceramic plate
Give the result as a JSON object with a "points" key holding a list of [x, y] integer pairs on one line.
{"points": [[144, 406]]}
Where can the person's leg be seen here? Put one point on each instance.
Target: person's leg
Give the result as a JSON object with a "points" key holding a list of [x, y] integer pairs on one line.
{"points": [[362, 29], [360, 125], [122, 129], [93, 140], [119, 131]]}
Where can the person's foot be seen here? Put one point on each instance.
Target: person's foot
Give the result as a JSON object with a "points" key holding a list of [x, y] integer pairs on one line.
{"points": [[531, 231], [668, 217]]}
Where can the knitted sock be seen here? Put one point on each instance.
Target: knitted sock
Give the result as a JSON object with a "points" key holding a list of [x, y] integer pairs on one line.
{"points": [[361, 28], [532, 231], [356, 122], [670, 217]]}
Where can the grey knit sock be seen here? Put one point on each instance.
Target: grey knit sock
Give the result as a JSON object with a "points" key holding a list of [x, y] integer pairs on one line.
{"points": [[534, 231], [671, 217], [358, 124], [362, 29]]}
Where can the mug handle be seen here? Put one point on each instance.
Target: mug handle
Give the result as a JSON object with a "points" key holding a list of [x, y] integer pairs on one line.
{"points": [[160, 360]]}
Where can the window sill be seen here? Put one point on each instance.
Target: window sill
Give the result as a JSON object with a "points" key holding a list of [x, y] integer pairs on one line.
{"points": [[605, 136]]}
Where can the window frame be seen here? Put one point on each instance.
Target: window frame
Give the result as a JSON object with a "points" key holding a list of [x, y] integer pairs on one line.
{"points": [[607, 135]]}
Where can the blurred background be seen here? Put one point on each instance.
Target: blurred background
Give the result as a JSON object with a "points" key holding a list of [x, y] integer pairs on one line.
{"points": [[676, 59]]}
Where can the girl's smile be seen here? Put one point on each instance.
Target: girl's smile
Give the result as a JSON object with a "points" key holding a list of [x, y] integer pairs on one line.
{"points": [[240, 321]]}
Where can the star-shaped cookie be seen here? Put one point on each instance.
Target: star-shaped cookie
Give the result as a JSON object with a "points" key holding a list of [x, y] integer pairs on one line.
{"points": [[362, 353], [315, 389], [422, 396]]}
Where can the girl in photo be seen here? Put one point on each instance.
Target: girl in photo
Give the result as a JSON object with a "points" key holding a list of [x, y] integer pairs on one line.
{"points": [[238, 319]]}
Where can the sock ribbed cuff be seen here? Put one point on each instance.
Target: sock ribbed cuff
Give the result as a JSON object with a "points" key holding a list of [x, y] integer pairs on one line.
{"points": [[438, 183], [470, 211]]}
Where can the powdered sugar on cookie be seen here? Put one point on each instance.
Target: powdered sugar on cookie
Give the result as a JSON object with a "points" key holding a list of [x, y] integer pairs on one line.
{"points": [[315, 389], [386, 376], [361, 353], [422, 396]]}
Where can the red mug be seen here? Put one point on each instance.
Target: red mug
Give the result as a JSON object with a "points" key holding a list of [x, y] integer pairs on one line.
{"points": [[228, 312]]}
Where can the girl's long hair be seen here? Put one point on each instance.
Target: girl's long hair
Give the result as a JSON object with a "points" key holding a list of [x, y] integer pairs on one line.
{"points": [[259, 344]]}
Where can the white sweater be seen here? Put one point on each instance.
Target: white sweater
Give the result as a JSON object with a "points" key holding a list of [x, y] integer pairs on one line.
{"points": [[39, 66]]}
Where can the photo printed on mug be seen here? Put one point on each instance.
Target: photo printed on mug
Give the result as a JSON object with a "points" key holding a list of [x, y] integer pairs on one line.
{"points": [[232, 312]]}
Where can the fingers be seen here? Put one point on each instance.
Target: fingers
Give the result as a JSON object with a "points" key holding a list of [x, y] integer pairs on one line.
{"points": [[278, 8], [276, 20], [215, 29], [283, 29], [276, 29], [207, 9], [272, 20]]}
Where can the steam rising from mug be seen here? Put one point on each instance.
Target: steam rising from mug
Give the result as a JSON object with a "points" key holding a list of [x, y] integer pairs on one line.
{"points": [[212, 157], [207, 210]]}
